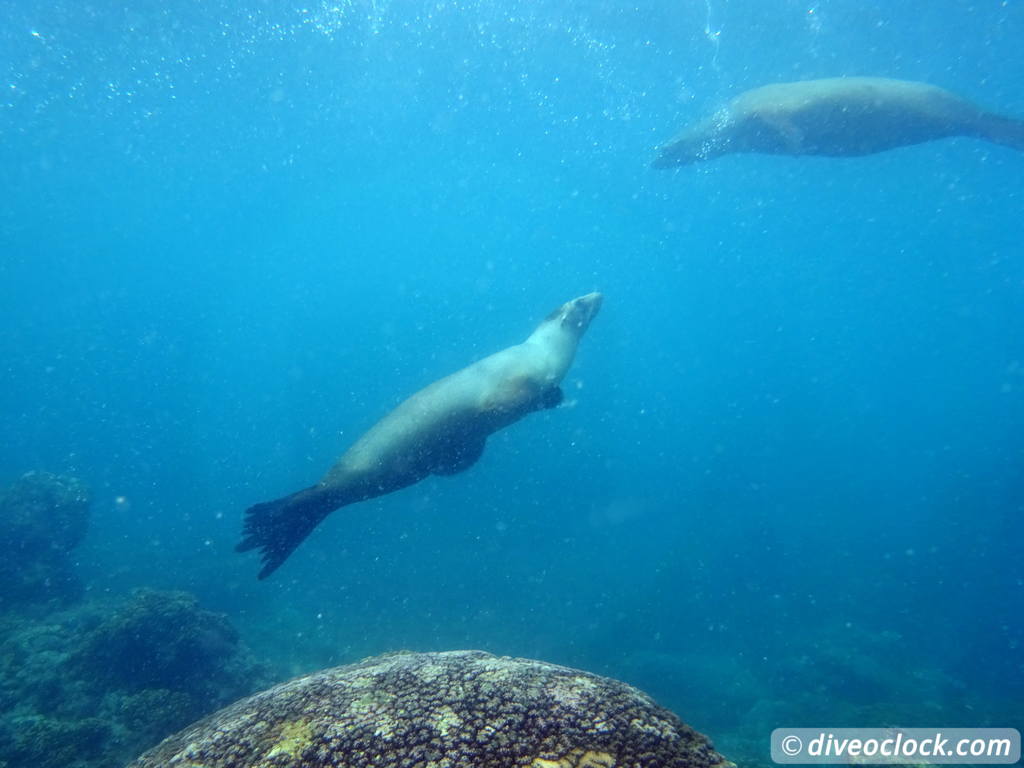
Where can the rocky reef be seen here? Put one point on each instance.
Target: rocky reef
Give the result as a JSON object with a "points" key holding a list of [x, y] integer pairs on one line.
{"points": [[43, 517], [92, 683], [461, 709], [159, 640]]}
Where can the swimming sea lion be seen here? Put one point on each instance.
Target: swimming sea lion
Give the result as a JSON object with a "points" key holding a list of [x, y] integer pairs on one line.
{"points": [[840, 116], [440, 430]]}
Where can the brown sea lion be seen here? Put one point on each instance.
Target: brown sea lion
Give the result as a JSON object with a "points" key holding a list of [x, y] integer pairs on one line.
{"points": [[440, 430], [841, 116]]}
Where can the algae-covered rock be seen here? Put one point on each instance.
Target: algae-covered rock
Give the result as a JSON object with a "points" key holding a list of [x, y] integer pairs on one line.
{"points": [[150, 714], [460, 709], [93, 685], [42, 512], [158, 640], [43, 517], [47, 742]]}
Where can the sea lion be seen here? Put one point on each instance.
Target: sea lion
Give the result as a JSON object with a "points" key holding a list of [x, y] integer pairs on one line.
{"points": [[440, 430], [841, 116]]}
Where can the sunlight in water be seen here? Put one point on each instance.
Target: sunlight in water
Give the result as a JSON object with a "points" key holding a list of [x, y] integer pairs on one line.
{"points": [[713, 35], [332, 16]]}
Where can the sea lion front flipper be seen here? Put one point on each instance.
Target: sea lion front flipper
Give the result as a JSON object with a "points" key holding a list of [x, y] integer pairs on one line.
{"points": [[459, 457], [552, 398], [792, 137]]}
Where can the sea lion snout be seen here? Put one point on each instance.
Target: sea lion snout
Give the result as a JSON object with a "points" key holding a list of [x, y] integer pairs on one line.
{"points": [[581, 311]]}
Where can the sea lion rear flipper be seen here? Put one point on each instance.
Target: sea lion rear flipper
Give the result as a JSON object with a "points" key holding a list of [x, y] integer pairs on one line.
{"points": [[277, 527]]}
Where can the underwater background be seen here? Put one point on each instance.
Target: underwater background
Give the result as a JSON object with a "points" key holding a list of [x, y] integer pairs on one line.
{"points": [[786, 486]]}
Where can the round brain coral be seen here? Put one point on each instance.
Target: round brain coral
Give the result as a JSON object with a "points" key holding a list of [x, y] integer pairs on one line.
{"points": [[458, 709]]}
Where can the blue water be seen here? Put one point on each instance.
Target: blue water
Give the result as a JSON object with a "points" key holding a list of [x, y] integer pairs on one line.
{"points": [[788, 488]]}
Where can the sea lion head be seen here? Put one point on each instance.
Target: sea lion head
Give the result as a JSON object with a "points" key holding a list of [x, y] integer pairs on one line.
{"points": [[576, 314]]}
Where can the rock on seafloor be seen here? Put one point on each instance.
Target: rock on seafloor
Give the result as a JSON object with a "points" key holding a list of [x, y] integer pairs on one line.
{"points": [[456, 709], [94, 685], [43, 517]]}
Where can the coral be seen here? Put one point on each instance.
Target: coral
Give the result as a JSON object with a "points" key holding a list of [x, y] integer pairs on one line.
{"points": [[43, 517], [43, 742], [42, 512], [462, 709], [149, 715], [93, 685], [90, 684], [31, 654], [158, 640]]}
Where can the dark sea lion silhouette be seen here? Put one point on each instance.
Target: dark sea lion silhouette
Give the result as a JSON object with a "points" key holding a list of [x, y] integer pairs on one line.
{"points": [[837, 117], [440, 430]]}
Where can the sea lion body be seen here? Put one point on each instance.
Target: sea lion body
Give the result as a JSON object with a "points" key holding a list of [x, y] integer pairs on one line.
{"points": [[441, 430], [837, 117]]}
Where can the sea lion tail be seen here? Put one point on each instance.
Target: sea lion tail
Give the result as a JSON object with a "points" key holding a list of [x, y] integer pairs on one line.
{"points": [[665, 159], [677, 153], [277, 527], [1002, 130]]}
